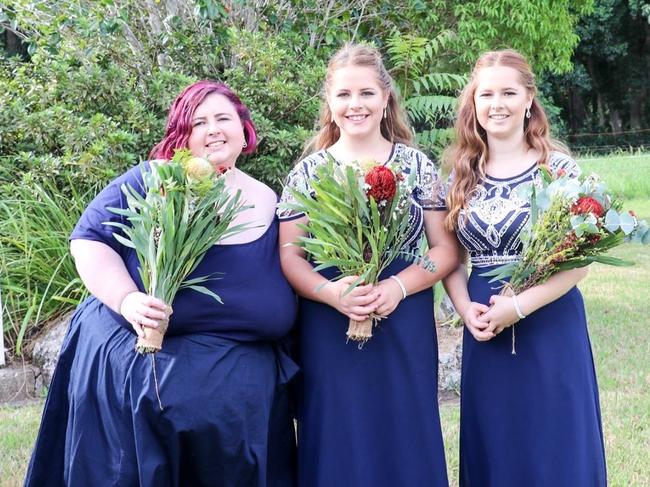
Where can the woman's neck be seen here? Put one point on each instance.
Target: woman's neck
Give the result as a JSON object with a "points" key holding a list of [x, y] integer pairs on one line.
{"points": [[348, 149], [508, 155]]}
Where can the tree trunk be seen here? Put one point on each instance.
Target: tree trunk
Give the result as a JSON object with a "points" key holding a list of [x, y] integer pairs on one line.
{"points": [[615, 120], [637, 107]]}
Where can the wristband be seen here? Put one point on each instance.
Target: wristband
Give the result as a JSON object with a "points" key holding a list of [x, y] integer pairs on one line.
{"points": [[517, 308], [400, 284]]}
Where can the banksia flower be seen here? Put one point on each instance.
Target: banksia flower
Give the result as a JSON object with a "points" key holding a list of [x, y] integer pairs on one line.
{"points": [[587, 204], [382, 182]]}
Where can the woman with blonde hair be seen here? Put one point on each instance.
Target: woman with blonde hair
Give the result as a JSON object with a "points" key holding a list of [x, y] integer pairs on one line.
{"points": [[530, 418], [368, 417]]}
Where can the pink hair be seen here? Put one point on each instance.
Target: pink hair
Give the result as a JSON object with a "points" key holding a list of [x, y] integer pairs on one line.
{"points": [[179, 119]]}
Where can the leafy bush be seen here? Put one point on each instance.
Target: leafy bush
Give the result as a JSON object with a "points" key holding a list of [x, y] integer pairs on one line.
{"points": [[37, 274]]}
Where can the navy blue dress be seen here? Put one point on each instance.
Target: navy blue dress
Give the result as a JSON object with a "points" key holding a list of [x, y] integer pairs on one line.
{"points": [[370, 417], [225, 418], [530, 419]]}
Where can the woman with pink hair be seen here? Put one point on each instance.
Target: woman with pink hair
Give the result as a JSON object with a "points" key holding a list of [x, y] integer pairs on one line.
{"points": [[220, 374]]}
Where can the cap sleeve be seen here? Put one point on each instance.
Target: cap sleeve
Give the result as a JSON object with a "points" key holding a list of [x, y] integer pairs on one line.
{"points": [[560, 161], [298, 179], [92, 224], [430, 191]]}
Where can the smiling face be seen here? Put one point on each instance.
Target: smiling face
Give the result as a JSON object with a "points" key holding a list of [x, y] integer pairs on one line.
{"points": [[357, 101], [501, 100], [217, 132]]}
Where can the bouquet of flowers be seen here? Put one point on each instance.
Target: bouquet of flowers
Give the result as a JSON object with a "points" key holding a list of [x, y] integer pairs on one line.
{"points": [[186, 209], [573, 222], [358, 222]]}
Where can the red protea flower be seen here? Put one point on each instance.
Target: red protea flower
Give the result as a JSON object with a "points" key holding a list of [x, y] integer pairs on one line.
{"points": [[587, 204], [382, 182]]}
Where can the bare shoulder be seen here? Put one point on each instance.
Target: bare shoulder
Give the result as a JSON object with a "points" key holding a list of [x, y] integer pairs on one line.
{"points": [[257, 192]]}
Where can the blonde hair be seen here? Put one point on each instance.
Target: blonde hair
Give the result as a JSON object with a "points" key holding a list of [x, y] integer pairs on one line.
{"points": [[394, 127], [468, 155]]}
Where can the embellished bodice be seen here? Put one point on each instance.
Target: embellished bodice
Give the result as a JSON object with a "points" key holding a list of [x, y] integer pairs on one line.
{"points": [[491, 224], [427, 194]]}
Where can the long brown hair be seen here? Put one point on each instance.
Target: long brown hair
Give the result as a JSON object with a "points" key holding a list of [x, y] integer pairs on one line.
{"points": [[394, 127], [469, 154]]}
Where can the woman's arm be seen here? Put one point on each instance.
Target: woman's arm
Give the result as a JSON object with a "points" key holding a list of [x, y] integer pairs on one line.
{"points": [[103, 272], [415, 278], [357, 304], [503, 312]]}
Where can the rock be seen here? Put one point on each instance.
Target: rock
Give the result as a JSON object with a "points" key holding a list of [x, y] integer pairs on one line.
{"points": [[450, 351], [47, 347], [19, 383]]}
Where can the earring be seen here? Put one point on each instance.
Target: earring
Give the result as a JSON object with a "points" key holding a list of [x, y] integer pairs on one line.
{"points": [[528, 112], [385, 108], [245, 145]]}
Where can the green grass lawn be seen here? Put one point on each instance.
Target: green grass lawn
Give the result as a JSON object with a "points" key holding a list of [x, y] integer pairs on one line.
{"points": [[18, 427], [617, 308]]}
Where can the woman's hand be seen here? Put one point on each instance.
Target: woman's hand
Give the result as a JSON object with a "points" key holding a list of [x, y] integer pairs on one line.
{"points": [[358, 304], [474, 318], [501, 315], [389, 295], [140, 310]]}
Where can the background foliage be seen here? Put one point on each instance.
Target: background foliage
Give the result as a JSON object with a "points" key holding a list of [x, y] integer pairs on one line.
{"points": [[85, 85]]}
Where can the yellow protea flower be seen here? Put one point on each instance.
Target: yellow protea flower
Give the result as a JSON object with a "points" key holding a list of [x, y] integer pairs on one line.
{"points": [[198, 168]]}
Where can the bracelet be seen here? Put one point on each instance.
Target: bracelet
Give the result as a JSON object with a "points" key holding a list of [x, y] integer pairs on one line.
{"points": [[517, 308], [400, 284]]}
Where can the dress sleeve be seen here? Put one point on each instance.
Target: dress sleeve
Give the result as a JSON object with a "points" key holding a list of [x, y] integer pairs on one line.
{"points": [[297, 180], [92, 224], [430, 190], [560, 161]]}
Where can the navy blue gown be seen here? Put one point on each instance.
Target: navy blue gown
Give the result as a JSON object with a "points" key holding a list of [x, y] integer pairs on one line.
{"points": [[370, 417], [530, 419], [225, 418]]}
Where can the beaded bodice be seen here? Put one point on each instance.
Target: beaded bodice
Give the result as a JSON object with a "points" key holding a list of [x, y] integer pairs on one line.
{"points": [[490, 226], [428, 193]]}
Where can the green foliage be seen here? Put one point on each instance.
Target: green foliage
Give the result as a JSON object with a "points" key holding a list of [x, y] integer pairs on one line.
{"points": [[541, 30], [607, 92], [37, 274], [428, 91], [282, 87]]}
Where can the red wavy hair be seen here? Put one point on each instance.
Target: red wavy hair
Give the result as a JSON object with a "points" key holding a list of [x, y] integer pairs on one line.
{"points": [[468, 155]]}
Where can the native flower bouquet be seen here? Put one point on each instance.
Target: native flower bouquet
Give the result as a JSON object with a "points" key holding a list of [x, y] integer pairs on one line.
{"points": [[573, 222], [186, 209], [358, 222]]}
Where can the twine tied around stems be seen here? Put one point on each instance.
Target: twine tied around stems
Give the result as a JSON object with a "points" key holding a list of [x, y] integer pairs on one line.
{"points": [[155, 379], [361, 331]]}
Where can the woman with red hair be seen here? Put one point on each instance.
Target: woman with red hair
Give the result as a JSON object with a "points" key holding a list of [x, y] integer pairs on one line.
{"points": [[530, 418], [225, 419]]}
